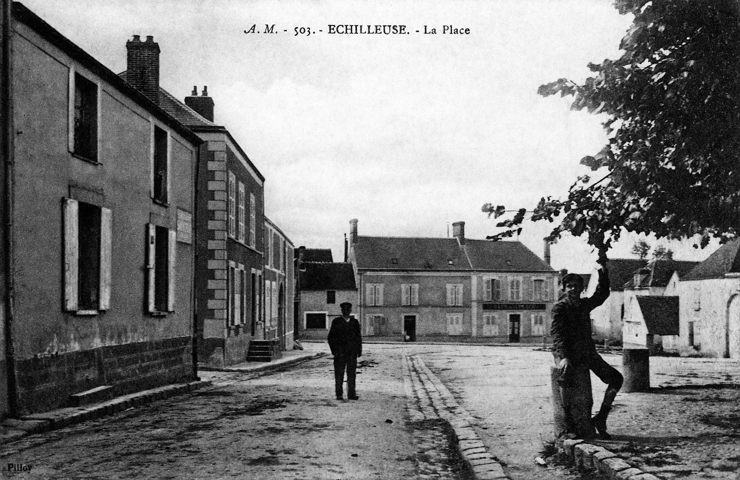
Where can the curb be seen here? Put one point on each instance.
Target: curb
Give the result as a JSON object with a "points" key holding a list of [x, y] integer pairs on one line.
{"points": [[264, 367], [586, 456], [443, 403], [15, 428]]}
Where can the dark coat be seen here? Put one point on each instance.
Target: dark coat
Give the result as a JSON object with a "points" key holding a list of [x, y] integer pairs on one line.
{"points": [[571, 323], [345, 337]]}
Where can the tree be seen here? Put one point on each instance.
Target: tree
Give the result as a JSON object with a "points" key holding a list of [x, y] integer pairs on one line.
{"points": [[662, 253], [671, 165], [641, 248]]}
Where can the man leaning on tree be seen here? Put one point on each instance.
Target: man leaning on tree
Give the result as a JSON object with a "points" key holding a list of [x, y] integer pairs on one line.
{"points": [[345, 342], [574, 349]]}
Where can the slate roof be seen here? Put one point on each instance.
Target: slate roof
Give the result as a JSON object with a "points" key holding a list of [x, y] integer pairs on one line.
{"points": [[660, 314], [327, 276], [317, 255], [725, 260], [659, 272], [621, 270], [445, 254]]}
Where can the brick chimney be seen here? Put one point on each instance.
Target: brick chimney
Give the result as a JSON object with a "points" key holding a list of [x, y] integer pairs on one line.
{"points": [[142, 66], [203, 104], [547, 252], [458, 231], [353, 231]]}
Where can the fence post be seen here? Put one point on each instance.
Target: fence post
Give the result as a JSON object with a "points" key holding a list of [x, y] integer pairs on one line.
{"points": [[572, 404], [636, 367]]}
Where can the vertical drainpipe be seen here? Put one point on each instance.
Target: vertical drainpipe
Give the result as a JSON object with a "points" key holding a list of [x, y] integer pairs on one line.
{"points": [[194, 208], [8, 132]]}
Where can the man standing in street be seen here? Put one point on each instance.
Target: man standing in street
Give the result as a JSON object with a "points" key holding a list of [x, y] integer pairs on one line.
{"points": [[574, 349], [345, 342]]}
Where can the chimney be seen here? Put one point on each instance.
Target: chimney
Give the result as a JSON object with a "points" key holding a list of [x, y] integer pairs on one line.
{"points": [[547, 252], [346, 249], [353, 231], [142, 66], [203, 104], [458, 231]]}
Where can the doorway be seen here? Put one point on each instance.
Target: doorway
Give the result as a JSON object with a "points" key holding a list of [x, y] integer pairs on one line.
{"points": [[409, 328], [515, 325]]}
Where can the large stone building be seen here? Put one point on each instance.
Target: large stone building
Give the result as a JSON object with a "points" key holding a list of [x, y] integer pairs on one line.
{"points": [[451, 288], [98, 249]]}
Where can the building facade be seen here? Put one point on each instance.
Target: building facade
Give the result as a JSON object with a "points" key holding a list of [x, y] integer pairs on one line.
{"points": [[279, 287], [451, 288], [709, 305], [324, 286], [99, 224], [608, 318]]}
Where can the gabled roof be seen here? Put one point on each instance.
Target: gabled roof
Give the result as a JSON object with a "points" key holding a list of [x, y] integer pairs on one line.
{"points": [[659, 272], [327, 276], [660, 314], [445, 254], [621, 270], [317, 255], [725, 260]]}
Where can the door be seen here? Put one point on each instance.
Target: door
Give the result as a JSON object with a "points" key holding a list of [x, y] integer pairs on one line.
{"points": [[409, 326], [515, 325], [733, 328]]}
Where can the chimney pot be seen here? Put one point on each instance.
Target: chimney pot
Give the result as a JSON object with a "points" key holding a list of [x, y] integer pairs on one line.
{"points": [[150, 39], [205, 91], [195, 91], [458, 231], [137, 38], [353, 231]]}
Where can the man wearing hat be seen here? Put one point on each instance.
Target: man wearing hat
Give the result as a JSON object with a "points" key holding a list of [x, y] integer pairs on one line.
{"points": [[573, 347], [345, 342]]}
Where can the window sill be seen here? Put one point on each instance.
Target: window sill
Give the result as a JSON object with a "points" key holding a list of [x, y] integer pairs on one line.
{"points": [[160, 202], [85, 313], [159, 314], [86, 159]]}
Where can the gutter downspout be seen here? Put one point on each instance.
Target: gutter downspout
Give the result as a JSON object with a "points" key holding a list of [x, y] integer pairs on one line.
{"points": [[8, 202]]}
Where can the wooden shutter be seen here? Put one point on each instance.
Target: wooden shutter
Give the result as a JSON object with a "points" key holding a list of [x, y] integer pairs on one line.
{"points": [[71, 254], [405, 294], [106, 236], [449, 295], [151, 257], [171, 271], [489, 289], [379, 294], [370, 294], [415, 294]]}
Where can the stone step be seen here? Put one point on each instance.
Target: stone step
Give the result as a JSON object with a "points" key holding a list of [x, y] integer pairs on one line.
{"points": [[94, 395]]}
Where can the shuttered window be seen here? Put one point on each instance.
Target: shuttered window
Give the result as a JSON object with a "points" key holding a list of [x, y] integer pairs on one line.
{"points": [[161, 252], [87, 257]]}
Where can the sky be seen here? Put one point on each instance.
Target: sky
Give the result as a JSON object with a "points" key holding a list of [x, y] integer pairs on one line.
{"points": [[406, 133]]}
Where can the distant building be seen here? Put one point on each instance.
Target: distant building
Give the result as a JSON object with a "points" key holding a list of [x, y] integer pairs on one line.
{"points": [[279, 286], [451, 289], [98, 219], [651, 322], [608, 318], [710, 305], [323, 287]]}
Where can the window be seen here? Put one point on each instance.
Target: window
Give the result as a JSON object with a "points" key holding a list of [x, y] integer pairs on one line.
{"points": [[410, 294], [242, 213], [316, 320], [237, 291], [691, 334], [376, 325], [538, 324], [490, 324], [268, 247], [515, 289], [331, 296], [539, 289], [697, 299], [252, 221], [84, 113], [232, 204], [161, 167], [493, 289], [454, 294], [161, 269], [87, 257], [374, 294], [454, 323]]}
